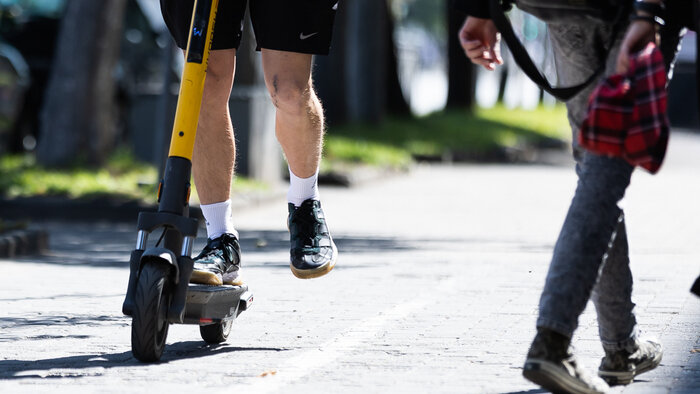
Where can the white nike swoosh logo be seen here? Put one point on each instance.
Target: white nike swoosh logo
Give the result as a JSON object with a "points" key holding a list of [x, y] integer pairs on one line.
{"points": [[335, 7], [303, 36]]}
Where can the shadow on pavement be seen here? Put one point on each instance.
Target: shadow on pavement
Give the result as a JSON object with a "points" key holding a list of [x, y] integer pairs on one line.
{"points": [[26, 369], [111, 248], [59, 320], [688, 379], [197, 349]]}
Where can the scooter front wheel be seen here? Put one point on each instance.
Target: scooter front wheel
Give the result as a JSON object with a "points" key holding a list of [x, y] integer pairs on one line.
{"points": [[217, 332], [149, 327]]}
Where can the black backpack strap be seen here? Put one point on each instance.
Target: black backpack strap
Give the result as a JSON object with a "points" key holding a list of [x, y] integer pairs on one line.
{"points": [[525, 62], [696, 26]]}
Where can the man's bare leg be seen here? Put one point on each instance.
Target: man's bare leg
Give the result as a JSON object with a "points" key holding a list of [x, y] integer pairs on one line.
{"points": [[212, 166], [299, 128], [214, 149], [299, 121]]}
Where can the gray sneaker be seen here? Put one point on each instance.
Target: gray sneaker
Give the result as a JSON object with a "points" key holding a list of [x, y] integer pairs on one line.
{"points": [[551, 364], [620, 367]]}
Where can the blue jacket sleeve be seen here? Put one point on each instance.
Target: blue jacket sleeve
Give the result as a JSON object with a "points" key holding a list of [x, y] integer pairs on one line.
{"points": [[477, 8]]}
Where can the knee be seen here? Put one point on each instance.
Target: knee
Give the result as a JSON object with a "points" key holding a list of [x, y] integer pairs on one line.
{"points": [[292, 97], [219, 79]]}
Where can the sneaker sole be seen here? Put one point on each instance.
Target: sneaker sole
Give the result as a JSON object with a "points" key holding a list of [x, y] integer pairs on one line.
{"points": [[552, 378], [233, 281], [625, 378], [316, 272], [206, 278]]}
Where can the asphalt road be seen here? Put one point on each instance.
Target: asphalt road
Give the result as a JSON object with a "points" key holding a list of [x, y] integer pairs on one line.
{"points": [[435, 290]]}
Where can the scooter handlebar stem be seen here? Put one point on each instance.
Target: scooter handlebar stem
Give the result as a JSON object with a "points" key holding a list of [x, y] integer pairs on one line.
{"points": [[193, 77]]}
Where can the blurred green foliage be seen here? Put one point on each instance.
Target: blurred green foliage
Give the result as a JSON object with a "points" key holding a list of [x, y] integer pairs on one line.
{"points": [[122, 177], [394, 139], [21, 176], [390, 144]]}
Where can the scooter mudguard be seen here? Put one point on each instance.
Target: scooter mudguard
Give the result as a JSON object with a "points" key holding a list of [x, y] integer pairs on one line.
{"points": [[137, 260], [134, 264], [176, 311]]}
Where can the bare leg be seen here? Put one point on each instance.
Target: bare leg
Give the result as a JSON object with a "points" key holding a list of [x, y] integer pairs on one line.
{"points": [[299, 127], [212, 166], [299, 122], [214, 149]]}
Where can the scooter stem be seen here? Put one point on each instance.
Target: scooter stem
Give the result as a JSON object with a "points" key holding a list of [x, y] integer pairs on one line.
{"points": [[174, 189], [193, 77]]}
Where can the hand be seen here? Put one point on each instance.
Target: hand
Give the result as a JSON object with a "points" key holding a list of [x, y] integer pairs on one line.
{"points": [[639, 34], [481, 42]]}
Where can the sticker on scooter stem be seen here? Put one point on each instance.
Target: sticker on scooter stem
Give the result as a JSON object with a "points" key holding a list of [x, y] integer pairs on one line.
{"points": [[198, 37]]}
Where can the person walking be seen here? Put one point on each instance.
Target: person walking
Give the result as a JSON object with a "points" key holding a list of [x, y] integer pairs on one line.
{"points": [[288, 34], [590, 258]]}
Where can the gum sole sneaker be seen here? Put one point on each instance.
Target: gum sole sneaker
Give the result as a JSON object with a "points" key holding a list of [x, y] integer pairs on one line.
{"points": [[218, 263], [213, 279], [313, 252], [316, 272], [202, 277]]}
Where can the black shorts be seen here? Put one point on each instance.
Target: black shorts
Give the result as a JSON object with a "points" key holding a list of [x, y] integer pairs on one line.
{"points": [[303, 26]]}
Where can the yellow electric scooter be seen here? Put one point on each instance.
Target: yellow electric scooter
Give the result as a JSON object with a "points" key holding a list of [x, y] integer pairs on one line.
{"points": [[159, 292]]}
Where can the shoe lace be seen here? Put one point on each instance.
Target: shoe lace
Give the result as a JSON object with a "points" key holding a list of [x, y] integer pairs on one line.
{"points": [[218, 247]]}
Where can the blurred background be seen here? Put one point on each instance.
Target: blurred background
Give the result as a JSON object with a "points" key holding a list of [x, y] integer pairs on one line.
{"points": [[88, 91]]}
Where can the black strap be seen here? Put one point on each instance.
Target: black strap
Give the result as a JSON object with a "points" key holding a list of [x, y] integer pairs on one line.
{"points": [[696, 25], [525, 62]]}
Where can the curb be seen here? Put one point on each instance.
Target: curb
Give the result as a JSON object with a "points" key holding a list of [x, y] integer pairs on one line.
{"points": [[60, 208], [23, 242], [104, 209]]}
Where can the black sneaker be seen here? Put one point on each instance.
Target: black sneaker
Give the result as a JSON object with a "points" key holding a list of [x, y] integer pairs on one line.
{"points": [[620, 367], [313, 252], [219, 262], [551, 364]]}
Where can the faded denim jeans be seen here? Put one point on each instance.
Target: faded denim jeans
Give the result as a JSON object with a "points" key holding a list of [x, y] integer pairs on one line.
{"points": [[590, 259]]}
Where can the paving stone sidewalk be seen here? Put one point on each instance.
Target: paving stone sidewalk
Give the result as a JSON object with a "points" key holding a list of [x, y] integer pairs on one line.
{"points": [[436, 291]]}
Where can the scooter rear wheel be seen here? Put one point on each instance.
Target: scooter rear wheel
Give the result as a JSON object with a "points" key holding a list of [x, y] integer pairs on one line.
{"points": [[149, 327], [217, 332]]}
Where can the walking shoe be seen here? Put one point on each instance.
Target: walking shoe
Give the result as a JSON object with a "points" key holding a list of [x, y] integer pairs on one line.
{"points": [[551, 364], [313, 252], [621, 366], [219, 262]]}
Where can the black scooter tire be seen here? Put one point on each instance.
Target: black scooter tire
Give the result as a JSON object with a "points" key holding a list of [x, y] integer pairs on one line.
{"points": [[149, 327], [217, 332]]}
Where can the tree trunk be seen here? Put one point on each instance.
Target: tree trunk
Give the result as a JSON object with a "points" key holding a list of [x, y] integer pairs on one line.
{"points": [[461, 85], [396, 103], [358, 81], [329, 72], [77, 119], [366, 59]]}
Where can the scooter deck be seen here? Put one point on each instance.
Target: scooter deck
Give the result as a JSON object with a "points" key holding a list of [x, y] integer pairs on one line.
{"points": [[214, 304]]}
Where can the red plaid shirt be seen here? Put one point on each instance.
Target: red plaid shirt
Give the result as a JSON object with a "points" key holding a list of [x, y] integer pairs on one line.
{"points": [[627, 113]]}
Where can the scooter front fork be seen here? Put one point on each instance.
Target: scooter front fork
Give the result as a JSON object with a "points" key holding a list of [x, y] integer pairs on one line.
{"points": [[182, 264]]}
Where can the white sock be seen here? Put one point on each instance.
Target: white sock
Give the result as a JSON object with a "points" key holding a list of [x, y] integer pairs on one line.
{"points": [[219, 219], [302, 189]]}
